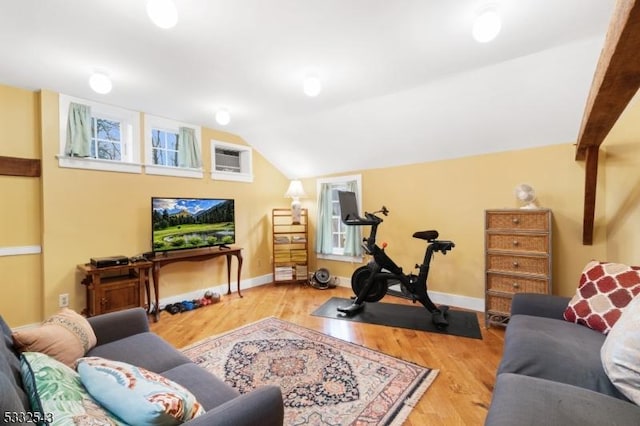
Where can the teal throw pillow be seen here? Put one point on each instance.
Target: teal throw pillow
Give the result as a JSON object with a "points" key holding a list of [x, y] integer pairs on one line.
{"points": [[136, 395]]}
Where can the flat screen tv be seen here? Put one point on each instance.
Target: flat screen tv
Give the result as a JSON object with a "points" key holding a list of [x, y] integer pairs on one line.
{"points": [[191, 223]]}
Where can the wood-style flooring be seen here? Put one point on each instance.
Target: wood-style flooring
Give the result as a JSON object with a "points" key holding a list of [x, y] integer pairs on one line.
{"points": [[460, 394]]}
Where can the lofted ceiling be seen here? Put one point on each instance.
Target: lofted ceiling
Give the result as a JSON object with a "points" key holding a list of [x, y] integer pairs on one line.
{"points": [[403, 80]]}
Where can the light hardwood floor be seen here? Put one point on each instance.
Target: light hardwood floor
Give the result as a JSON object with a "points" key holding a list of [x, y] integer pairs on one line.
{"points": [[460, 394]]}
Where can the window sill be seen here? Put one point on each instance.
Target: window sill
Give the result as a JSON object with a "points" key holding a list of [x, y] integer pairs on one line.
{"points": [[96, 164], [173, 171], [340, 258], [232, 176]]}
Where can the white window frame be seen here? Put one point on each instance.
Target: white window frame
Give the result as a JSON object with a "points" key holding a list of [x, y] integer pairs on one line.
{"points": [[246, 162], [155, 122], [337, 180], [130, 132]]}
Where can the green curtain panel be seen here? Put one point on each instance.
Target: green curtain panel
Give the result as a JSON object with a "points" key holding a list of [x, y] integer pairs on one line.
{"points": [[324, 242], [353, 234], [188, 149], [78, 131]]}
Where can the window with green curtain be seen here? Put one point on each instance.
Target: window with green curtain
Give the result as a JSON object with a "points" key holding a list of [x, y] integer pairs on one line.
{"points": [[332, 236]]}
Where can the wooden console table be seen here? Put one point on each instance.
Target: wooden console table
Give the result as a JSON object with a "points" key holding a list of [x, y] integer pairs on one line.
{"points": [[114, 288], [161, 259]]}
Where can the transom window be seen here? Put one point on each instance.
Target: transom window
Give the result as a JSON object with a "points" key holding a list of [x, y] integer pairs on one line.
{"points": [[162, 147], [113, 144], [165, 147]]}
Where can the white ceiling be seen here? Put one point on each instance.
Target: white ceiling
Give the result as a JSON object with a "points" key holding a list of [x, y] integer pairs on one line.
{"points": [[403, 80]]}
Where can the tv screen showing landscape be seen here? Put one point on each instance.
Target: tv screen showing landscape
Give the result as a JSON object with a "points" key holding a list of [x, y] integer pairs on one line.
{"points": [[191, 223]]}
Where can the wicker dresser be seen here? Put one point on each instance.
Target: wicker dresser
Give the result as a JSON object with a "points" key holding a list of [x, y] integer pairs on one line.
{"points": [[517, 258]]}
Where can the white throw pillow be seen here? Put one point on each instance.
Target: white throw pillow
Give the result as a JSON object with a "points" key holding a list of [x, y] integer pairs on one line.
{"points": [[620, 352]]}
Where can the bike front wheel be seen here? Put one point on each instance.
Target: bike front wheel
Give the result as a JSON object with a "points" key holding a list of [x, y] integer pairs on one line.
{"points": [[359, 280]]}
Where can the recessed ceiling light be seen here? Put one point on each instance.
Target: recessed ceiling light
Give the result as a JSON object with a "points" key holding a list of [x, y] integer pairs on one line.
{"points": [[223, 117], [487, 25], [100, 83], [163, 13], [312, 86]]}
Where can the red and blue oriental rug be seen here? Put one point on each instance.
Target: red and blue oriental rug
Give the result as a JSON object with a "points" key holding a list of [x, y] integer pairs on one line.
{"points": [[324, 380]]}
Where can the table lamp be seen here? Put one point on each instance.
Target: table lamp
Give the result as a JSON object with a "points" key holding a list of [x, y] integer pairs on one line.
{"points": [[295, 192]]}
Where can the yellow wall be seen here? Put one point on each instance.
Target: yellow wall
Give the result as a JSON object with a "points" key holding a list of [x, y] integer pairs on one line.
{"points": [[623, 188], [451, 196], [93, 213], [20, 275], [76, 214]]}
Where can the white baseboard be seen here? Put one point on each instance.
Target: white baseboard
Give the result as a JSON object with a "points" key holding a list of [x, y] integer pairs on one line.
{"points": [[454, 300], [439, 298]]}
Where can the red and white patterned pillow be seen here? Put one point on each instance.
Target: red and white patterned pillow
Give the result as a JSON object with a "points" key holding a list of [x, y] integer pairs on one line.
{"points": [[604, 291]]}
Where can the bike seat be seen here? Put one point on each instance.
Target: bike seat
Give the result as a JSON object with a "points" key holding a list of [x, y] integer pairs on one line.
{"points": [[426, 235]]}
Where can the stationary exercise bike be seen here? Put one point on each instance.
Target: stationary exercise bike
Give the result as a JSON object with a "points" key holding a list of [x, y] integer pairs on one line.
{"points": [[371, 282]]}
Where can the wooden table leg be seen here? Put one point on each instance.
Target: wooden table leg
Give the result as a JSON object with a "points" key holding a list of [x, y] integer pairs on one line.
{"points": [[239, 257], [156, 279], [147, 288]]}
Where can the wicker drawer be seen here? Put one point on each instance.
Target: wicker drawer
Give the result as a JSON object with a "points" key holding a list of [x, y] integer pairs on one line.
{"points": [[516, 284], [498, 303], [538, 265], [518, 220], [518, 242], [517, 258]]}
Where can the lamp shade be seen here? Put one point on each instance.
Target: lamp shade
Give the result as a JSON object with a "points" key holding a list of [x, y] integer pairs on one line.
{"points": [[295, 190]]}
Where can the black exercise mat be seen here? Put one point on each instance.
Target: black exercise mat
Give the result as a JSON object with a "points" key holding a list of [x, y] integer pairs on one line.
{"points": [[461, 323]]}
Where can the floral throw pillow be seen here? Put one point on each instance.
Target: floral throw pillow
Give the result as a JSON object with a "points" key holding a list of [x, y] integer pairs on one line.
{"points": [[136, 395], [605, 289]]}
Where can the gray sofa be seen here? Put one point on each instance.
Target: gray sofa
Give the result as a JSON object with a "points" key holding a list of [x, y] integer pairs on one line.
{"points": [[125, 336], [551, 372]]}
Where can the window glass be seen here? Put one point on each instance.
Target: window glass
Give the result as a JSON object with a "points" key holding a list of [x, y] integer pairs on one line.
{"points": [[165, 148], [106, 140]]}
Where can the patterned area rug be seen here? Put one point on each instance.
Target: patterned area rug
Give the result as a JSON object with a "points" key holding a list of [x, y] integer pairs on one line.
{"points": [[324, 380]]}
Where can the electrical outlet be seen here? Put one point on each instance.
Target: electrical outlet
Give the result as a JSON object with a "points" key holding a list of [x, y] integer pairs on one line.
{"points": [[63, 300]]}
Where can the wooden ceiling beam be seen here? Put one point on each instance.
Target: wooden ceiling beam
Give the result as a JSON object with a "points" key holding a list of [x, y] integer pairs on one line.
{"points": [[615, 82], [617, 77]]}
